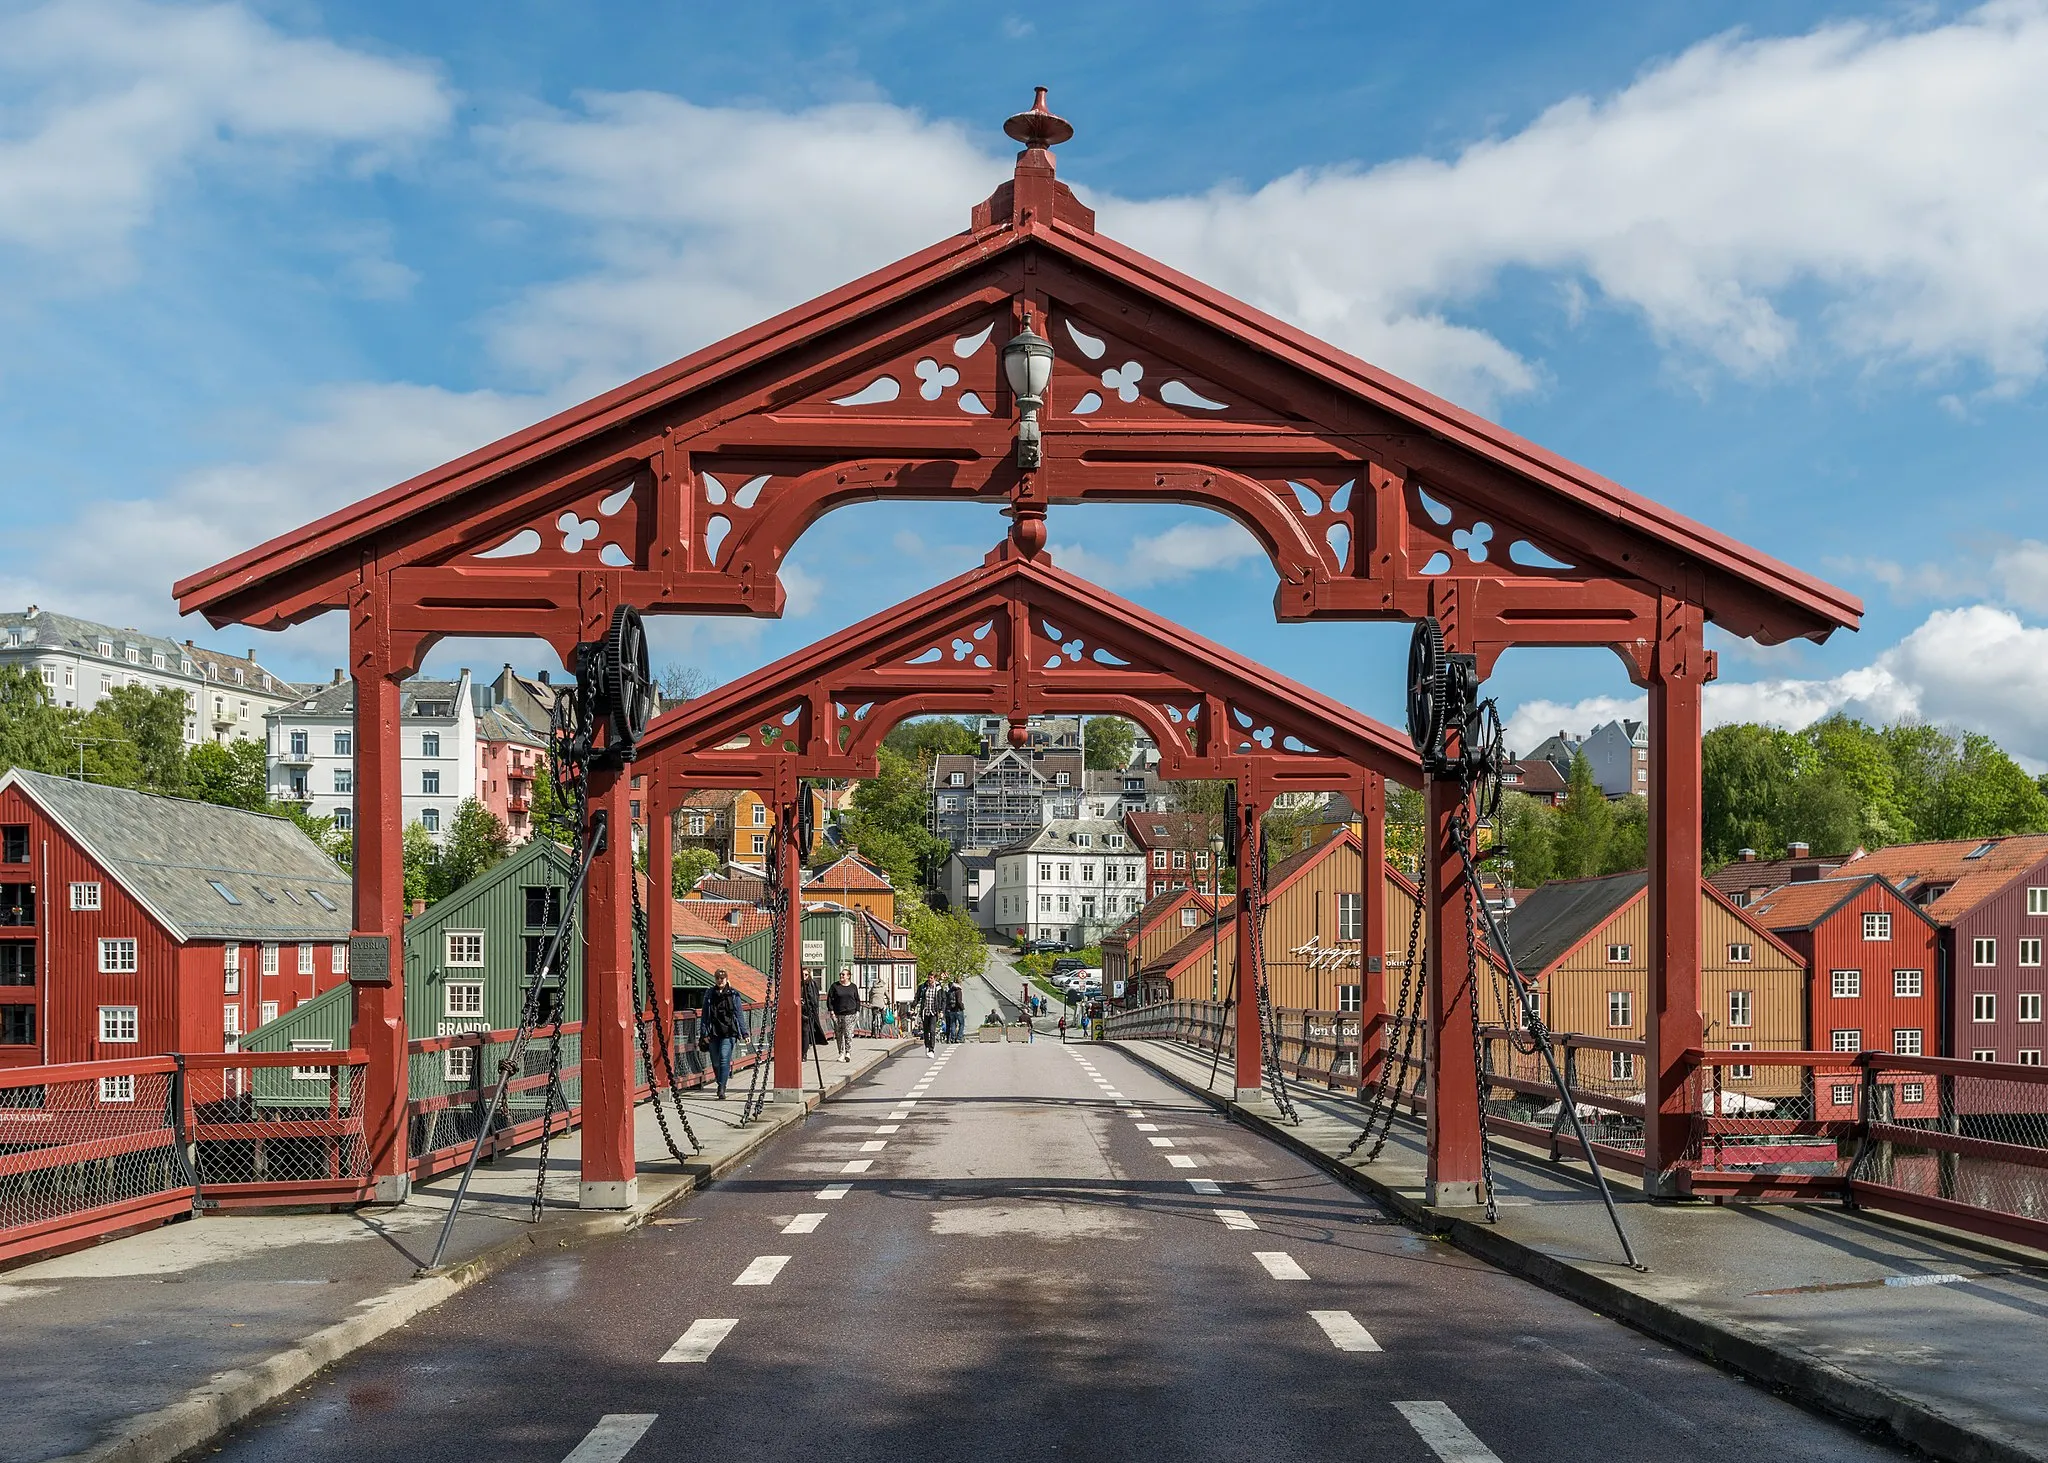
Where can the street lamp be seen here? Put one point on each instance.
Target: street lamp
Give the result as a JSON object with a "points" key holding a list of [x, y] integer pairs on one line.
{"points": [[1027, 363]]}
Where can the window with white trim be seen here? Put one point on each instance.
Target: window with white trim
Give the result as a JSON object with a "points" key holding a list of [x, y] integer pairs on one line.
{"points": [[1984, 952], [760, 845], [1621, 1008], [760, 815], [1845, 984], [1912, 1092], [1984, 1006], [2030, 1057], [1350, 916], [2037, 900], [1877, 926], [305, 957], [430, 819], [269, 966], [1621, 1066], [430, 781], [85, 896], [117, 957], [1981, 1055], [2030, 952], [1066, 904], [1741, 1072], [458, 1064], [1907, 983], [311, 1074], [1741, 954], [1190, 917], [463, 948], [1907, 1043], [1180, 859], [1620, 954], [1350, 998], [117, 1089], [1843, 1093], [1045, 904], [1158, 858], [338, 957], [266, 1013], [1741, 1008], [231, 1020], [463, 998], [119, 1023], [2030, 1006]]}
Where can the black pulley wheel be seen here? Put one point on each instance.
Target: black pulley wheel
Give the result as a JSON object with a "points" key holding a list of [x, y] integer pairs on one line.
{"points": [[1426, 687]]}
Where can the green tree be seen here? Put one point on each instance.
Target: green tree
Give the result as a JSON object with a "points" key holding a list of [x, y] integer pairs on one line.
{"points": [[476, 841], [1856, 756], [553, 816], [1628, 836], [152, 724], [1983, 793], [887, 821], [1523, 827], [1407, 815], [949, 943], [688, 865], [1585, 823], [1109, 742], [925, 736], [1746, 776], [32, 731], [229, 773], [421, 856]]}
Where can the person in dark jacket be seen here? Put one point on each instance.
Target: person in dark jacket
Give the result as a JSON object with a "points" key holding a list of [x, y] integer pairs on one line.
{"points": [[929, 1008], [724, 1026], [813, 1027], [956, 1011], [844, 1002]]}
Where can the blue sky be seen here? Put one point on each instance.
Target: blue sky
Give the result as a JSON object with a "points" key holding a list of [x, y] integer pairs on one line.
{"points": [[1778, 267]]}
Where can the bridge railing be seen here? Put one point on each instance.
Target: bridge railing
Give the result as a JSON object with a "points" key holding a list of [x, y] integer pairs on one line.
{"points": [[1955, 1142]]}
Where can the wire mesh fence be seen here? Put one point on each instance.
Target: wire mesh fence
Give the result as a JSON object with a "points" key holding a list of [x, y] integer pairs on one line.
{"points": [[88, 1148], [263, 1123], [1946, 1136]]}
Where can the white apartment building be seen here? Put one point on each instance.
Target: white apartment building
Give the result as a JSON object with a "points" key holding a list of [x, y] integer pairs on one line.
{"points": [[81, 661], [1068, 883], [312, 751]]}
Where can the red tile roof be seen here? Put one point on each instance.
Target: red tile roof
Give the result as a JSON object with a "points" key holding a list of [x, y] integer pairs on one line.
{"points": [[1971, 869], [749, 982], [1802, 906], [711, 919], [850, 873]]}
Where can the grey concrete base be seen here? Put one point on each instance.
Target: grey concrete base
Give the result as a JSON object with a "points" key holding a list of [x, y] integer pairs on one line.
{"points": [[788, 1095], [1249, 1094], [1455, 1196], [393, 1189], [608, 1194]]}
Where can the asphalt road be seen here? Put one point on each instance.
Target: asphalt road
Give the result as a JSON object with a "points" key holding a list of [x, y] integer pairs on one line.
{"points": [[1028, 1252]]}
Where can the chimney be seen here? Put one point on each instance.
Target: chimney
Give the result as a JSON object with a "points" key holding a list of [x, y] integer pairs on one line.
{"points": [[1797, 850], [251, 655], [1747, 855], [419, 906], [337, 675]]}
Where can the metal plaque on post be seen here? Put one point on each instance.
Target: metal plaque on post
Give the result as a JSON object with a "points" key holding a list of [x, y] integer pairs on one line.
{"points": [[369, 959]]}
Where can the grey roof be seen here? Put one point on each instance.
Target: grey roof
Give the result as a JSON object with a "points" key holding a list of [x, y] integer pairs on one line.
{"points": [[1557, 916], [338, 698], [48, 630], [167, 852], [504, 724], [1058, 835], [976, 858]]}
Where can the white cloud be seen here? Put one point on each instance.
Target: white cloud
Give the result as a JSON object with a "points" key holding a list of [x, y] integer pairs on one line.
{"points": [[1977, 667], [116, 560], [2009, 571], [118, 98], [1177, 553]]}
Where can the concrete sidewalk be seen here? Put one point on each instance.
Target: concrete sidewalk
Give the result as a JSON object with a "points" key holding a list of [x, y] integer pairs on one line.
{"points": [[141, 1349], [1938, 1337]]}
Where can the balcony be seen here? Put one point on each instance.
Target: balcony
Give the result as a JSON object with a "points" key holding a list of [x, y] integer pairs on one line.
{"points": [[292, 759], [519, 802]]}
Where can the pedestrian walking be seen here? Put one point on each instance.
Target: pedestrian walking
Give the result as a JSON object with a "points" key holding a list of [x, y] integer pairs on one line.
{"points": [[929, 1008], [813, 1029], [1063, 1031], [723, 1024], [956, 1012], [844, 1001]]}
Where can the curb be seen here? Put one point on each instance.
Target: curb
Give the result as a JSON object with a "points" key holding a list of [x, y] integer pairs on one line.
{"points": [[1806, 1379], [203, 1414]]}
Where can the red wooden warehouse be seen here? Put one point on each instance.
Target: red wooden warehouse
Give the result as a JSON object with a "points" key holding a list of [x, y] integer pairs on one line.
{"points": [[133, 925], [1026, 361]]}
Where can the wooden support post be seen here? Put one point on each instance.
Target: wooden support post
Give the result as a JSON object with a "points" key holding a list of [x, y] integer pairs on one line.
{"points": [[1372, 944], [1250, 1052], [1455, 1173], [1677, 676], [661, 910], [609, 1177], [789, 1030], [377, 942]]}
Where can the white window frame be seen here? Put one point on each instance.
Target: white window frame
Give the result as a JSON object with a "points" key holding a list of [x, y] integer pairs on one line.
{"points": [[2030, 951], [1983, 1006], [337, 957], [462, 998], [430, 819], [1908, 1041], [1350, 998], [1981, 1055], [85, 894], [1742, 1072], [1621, 1066], [266, 1012], [1741, 954], [1907, 984], [231, 1020], [1620, 954], [116, 1020], [2037, 899], [1843, 1093], [1621, 1010], [2029, 1006], [1350, 916], [458, 1064], [118, 1089], [269, 966], [305, 957], [1984, 951], [430, 782], [462, 949], [760, 845], [1190, 917], [430, 744], [1742, 1009], [119, 955], [1912, 1092], [1877, 926], [1845, 985], [311, 1074], [2028, 1056]]}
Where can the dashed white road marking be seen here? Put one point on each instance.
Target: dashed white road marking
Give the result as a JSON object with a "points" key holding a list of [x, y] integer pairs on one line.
{"points": [[1148, 1127], [1205, 1186], [890, 1128], [835, 1191], [1160, 1142], [1232, 1219], [1114, 1095], [805, 1223], [858, 1165], [1345, 1333], [762, 1270], [1447, 1437], [697, 1343], [897, 1117], [1180, 1160], [1280, 1265], [1131, 1112], [612, 1438], [874, 1145]]}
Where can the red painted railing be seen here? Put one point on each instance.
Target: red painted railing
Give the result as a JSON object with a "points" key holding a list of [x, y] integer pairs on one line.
{"points": [[1959, 1143]]}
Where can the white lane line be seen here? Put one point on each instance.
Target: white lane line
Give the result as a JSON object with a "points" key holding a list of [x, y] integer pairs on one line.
{"points": [[1205, 1186], [890, 1128], [1131, 1112], [1280, 1265], [858, 1165], [1180, 1160], [1447, 1437], [1232, 1219], [906, 1102], [835, 1191], [697, 1343], [762, 1270], [1160, 1142], [805, 1223], [612, 1438], [1148, 1127], [874, 1145], [897, 1117], [1345, 1333], [1114, 1095]]}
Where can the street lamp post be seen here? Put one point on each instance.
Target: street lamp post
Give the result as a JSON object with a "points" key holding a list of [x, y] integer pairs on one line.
{"points": [[1216, 904]]}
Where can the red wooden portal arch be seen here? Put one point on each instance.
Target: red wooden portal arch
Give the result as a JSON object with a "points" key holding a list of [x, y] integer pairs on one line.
{"points": [[683, 491]]}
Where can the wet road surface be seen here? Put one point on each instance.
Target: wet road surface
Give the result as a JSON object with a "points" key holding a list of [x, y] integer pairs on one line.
{"points": [[1023, 1252]]}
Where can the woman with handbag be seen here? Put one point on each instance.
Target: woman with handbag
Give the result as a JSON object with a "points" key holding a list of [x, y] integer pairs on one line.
{"points": [[724, 1025]]}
